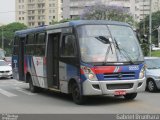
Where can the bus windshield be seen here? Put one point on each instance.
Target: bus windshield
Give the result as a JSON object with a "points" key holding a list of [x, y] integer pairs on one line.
{"points": [[108, 43]]}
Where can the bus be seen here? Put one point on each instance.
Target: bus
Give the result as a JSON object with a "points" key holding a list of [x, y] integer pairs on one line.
{"points": [[82, 58]]}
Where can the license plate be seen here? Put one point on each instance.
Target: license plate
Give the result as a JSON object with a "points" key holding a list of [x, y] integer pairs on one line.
{"points": [[120, 92]]}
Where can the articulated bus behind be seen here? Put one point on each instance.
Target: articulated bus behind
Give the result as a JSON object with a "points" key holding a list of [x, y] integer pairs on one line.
{"points": [[81, 58]]}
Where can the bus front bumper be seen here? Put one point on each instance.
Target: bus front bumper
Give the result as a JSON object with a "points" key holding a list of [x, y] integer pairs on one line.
{"points": [[110, 87]]}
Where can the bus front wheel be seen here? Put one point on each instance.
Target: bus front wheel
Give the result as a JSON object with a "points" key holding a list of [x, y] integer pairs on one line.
{"points": [[130, 96], [76, 94]]}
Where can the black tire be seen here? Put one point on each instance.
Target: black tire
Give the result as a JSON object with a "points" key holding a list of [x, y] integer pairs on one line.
{"points": [[151, 86], [32, 88], [76, 94], [130, 96]]}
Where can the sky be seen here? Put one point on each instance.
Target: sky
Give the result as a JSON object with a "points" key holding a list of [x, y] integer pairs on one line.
{"points": [[7, 11]]}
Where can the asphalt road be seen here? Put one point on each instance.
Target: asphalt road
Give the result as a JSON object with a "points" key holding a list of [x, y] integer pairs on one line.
{"points": [[16, 98]]}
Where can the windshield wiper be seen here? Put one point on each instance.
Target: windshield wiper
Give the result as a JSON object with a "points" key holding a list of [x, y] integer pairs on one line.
{"points": [[105, 40], [123, 51]]}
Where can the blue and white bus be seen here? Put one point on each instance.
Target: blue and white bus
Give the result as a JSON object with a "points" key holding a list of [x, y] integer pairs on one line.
{"points": [[82, 58]]}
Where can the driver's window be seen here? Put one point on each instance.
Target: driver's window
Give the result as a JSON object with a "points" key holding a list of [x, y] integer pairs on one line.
{"points": [[68, 46]]}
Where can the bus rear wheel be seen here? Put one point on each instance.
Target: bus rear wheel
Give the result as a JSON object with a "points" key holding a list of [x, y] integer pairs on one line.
{"points": [[130, 96], [76, 94], [32, 88]]}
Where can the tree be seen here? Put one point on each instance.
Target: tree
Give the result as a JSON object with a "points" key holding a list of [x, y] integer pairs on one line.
{"points": [[144, 26], [8, 35], [144, 29], [104, 12]]}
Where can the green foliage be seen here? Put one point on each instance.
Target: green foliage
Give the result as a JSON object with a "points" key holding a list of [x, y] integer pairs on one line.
{"points": [[144, 25], [145, 49], [144, 29], [155, 53], [8, 35]]}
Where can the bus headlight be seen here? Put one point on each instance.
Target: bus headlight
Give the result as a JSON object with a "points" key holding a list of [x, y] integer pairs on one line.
{"points": [[91, 76], [142, 73], [89, 73]]}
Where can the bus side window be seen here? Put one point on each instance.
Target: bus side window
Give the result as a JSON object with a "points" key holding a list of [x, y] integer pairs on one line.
{"points": [[40, 46], [68, 46], [41, 38], [16, 40], [15, 50], [30, 44], [15, 46], [30, 39]]}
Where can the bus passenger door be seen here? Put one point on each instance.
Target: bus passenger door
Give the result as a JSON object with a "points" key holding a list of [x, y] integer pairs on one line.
{"points": [[21, 59], [53, 60]]}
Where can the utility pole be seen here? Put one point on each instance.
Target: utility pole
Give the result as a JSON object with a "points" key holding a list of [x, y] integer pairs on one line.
{"points": [[144, 20], [150, 27], [158, 36], [2, 39]]}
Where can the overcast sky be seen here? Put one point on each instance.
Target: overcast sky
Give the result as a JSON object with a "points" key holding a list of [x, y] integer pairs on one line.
{"points": [[7, 11]]}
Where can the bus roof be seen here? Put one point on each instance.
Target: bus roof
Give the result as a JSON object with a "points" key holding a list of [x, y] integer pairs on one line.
{"points": [[26, 31], [86, 22], [70, 24]]}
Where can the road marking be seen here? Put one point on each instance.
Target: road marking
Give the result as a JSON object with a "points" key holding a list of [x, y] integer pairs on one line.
{"points": [[18, 84], [6, 93], [25, 91], [9, 82]]}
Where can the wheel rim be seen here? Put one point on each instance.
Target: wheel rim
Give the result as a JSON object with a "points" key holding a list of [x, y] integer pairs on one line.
{"points": [[76, 93], [150, 85]]}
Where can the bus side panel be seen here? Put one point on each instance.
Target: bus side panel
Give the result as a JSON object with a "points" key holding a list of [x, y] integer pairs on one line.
{"points": [[39, 70], [66, 73], [35, 66], [15, 67]]}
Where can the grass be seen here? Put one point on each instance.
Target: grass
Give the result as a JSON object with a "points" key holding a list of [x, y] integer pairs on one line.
{"points": [[155, 53]]}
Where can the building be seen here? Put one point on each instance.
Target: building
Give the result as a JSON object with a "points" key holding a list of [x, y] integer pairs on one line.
{"points": [[74, 8], [138, 8], [43, 12], [142, 8], [38, 12]]}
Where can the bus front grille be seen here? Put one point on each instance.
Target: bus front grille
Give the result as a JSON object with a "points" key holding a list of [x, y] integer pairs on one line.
{"points": [[119, 76]]}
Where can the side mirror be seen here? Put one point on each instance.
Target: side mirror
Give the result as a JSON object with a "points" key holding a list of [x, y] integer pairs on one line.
{"points": [[145, 38]]}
